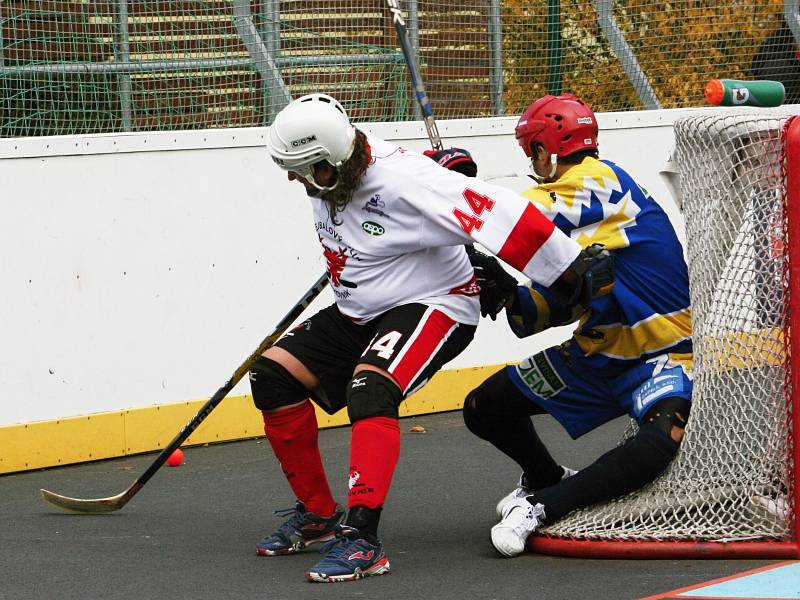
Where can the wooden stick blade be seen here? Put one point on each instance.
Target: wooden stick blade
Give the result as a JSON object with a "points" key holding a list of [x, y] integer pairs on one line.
{"points": [[92, 506]]}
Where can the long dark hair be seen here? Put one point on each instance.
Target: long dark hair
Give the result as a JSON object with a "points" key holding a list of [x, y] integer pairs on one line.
{"points": [[350, 174]]}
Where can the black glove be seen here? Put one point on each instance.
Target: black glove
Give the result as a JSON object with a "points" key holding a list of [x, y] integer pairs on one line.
{"points": [[498, 288], [594, 269], [455, 159]]}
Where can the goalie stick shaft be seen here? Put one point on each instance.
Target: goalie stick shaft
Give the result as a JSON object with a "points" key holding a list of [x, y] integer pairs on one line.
{"points": [[112, 503], [413, 70]]}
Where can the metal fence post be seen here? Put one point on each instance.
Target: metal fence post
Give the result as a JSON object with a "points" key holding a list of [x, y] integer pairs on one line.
{"points": [[554, 75], [122, 54], [2, 43], [496, 54], [272, 37], [792, 16], [260, 55], [413, 38], [623, 52]]}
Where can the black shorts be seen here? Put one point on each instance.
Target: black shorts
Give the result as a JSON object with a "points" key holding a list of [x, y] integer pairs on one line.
{"points": [[411, 342]]}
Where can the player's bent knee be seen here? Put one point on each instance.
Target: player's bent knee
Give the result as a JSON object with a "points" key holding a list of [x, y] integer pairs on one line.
{"points": [[472, 413], [371, 394], [669, 415], [645, 456], [490, 400], [273, 386]]}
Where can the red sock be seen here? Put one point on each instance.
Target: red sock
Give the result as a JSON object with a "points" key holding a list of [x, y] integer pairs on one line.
{"points": [[292, 433], [374, 450]]}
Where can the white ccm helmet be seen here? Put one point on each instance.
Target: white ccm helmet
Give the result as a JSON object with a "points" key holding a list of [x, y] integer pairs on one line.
{"points": [[308, 130]]}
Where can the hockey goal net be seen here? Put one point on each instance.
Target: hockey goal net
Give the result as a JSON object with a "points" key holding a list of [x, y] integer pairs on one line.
{"points": [[731, 491]]}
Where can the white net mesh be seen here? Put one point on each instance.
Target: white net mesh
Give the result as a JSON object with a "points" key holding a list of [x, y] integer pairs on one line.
{"points": [[731, 479]]}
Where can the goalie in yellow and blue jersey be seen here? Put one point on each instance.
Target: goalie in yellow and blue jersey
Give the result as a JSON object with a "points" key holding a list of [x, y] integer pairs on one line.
{"points": [[631, 352]]}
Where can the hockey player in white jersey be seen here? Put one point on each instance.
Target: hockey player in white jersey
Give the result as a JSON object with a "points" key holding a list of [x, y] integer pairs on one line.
{"points": [[392, 225]]}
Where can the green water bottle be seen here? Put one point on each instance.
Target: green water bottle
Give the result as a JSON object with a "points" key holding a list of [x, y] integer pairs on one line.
{"points": [[734, 92]]}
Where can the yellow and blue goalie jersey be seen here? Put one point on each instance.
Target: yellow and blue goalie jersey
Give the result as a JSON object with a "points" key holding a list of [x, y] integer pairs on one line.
{"points": [[647, 312]]}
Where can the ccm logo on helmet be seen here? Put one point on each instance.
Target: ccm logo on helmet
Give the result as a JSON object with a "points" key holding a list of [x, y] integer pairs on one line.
{"points": [[303, 141]]}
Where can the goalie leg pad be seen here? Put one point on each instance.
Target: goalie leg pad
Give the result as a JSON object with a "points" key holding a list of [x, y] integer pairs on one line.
{"points": [[273, 386], [619, 471], [371, 394]]}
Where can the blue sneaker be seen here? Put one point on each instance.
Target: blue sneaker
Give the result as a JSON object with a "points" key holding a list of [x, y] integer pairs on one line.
{"points": [[349, 557], [300, 531]]}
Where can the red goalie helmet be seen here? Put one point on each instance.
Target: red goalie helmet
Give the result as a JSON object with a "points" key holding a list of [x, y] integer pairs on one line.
{"points": [[563, 124]]}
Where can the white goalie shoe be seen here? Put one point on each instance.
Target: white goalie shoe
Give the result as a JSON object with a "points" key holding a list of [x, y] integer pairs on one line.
{"points": [[522, 490], [520, 519]]}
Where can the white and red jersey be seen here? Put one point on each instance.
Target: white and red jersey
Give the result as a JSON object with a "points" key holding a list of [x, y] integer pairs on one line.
{"points": [[400, 239]]}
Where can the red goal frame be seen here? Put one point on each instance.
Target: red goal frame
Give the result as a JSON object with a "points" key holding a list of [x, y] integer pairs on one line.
{"points": [[744, 549]]}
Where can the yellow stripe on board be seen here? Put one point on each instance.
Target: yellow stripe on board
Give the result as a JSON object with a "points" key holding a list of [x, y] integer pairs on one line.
{"points": [[122, 433]]}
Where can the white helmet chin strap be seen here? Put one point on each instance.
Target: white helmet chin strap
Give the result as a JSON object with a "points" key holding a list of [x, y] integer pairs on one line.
{"points": [[321, 189], [549, 176]]}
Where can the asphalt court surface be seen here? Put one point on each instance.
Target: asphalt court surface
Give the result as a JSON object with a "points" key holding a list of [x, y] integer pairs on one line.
{"points": [[190, 532]]}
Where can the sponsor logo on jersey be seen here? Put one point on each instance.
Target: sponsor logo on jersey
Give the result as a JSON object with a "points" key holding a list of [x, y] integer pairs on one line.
{"points": [[540, 376], [375, 204], [336, 261], [373, 228], [330, 230], [303, 141]]}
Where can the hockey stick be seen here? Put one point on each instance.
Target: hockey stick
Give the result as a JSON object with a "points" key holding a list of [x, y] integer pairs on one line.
{"points": [[413, 70], [105, 505]]}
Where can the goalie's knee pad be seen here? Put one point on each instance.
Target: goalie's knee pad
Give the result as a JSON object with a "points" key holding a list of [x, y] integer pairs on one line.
{"points": [[370, 394], [273, 386], [478, 415], [668, 413]]}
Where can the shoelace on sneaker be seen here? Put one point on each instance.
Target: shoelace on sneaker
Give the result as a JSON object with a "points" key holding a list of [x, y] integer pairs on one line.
{"points": [[523, 519], [295, 523], [338, 546]]}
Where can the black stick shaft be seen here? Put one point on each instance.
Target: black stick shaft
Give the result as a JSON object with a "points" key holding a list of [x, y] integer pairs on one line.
{"points": [[212, 403]]}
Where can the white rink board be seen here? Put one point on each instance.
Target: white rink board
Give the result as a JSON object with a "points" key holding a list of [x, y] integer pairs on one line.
{"points": [[141, 269]]}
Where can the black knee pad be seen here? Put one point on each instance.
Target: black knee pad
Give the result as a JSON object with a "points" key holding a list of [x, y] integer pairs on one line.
{"points": [[472, 411], [668, 413], [370, 394], [273, 386], [493, 403]]}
